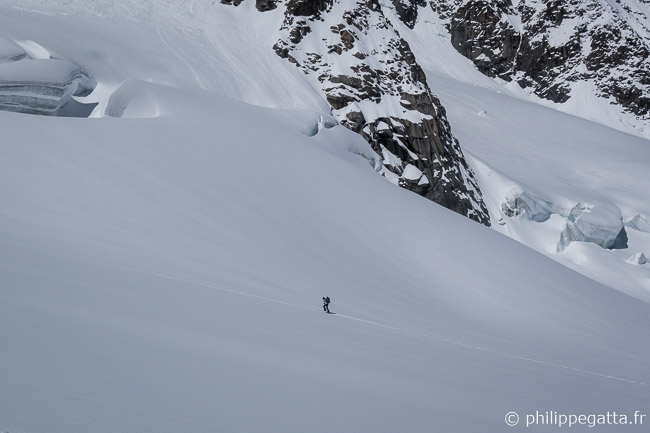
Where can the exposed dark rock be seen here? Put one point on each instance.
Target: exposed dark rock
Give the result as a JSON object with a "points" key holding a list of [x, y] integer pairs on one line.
{"points": [[547, 45], [265, 5], [382, 95], [299, 32], [307, 8], [407, 10]]}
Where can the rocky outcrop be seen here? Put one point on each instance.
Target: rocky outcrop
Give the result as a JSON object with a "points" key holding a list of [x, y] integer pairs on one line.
{"points": [[265, 5], [375, 87], [261, 5], [407, 10], [307, 8], [548, 45]]}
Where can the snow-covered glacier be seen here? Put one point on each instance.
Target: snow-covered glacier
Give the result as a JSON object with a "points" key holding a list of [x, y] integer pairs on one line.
{"points": [[162, 263]]}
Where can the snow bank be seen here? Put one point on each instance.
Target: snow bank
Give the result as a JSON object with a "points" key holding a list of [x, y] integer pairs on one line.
{"points": [[349, 147], [41, 86], [133, 98], [601, 224], [34, 49]]}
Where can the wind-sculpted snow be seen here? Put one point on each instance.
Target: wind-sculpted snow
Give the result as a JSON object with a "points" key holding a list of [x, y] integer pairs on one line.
{"points": [[10, 51], [133, 99], [41, 86]]}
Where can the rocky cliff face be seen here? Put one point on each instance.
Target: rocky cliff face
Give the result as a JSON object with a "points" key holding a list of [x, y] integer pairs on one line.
{"points": [[407, 10], [547, 45], [375, 87]]}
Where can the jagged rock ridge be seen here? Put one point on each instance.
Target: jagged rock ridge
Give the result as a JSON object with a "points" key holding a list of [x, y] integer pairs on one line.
{"points": [[375, 87], [407, 10], [548, 45]]}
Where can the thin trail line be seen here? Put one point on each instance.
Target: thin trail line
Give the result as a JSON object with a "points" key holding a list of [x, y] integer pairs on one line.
{"points": [[495, 352], [337, 315]]}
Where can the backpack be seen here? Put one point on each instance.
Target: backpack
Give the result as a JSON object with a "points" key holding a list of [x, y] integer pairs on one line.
{"points": [[327, 299]]}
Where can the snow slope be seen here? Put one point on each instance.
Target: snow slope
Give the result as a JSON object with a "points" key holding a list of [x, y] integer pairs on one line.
{"points": [[162, 271], [149, 286]]}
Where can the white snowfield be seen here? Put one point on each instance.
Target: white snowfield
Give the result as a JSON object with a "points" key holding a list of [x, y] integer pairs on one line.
{"points": [[161, 267]]}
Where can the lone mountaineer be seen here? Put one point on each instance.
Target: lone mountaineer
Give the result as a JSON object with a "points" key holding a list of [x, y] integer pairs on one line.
{"points": [[326, 304]]}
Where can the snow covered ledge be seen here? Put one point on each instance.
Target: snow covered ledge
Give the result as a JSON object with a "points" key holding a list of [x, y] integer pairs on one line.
{"points": [[42, 86], [10, 51]]}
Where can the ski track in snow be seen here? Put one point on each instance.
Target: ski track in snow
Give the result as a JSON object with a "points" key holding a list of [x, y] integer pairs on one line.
{"points": [[335, 315], [164, 38]]}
